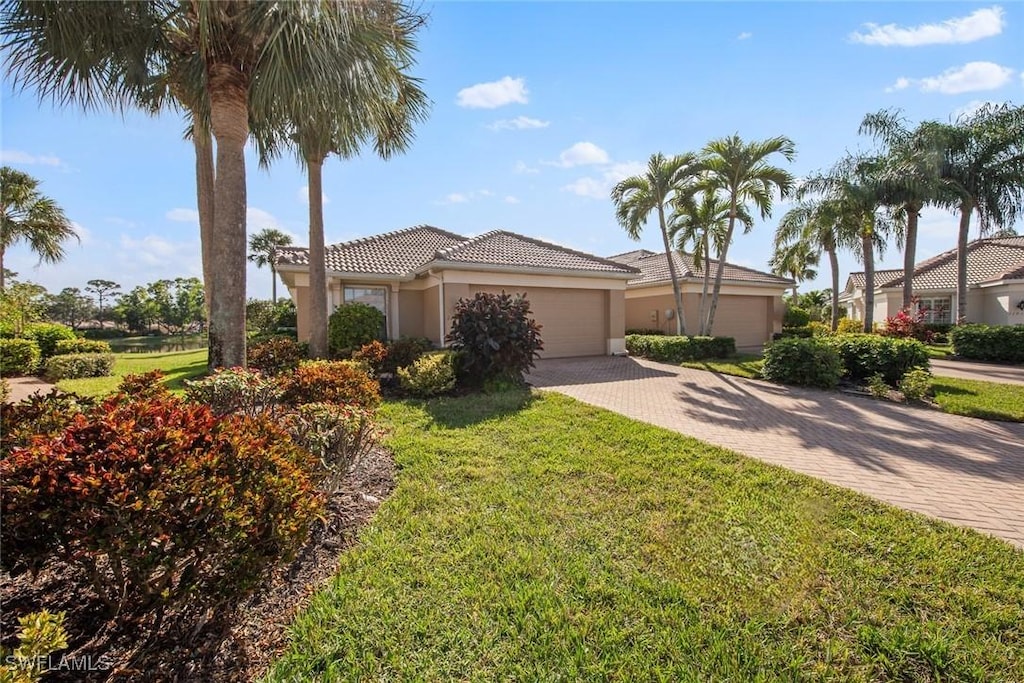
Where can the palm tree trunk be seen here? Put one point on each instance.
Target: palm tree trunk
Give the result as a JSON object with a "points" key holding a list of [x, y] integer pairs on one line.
{"points": [[203, 144], [909, 255], [703, 327], [676, 292], [273, 284], [966, 208], [833, 261], [2, 284], [229, 119], [721, 266], [868, 249], [317, 266]]}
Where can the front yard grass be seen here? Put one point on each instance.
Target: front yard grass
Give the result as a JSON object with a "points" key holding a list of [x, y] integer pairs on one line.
{"points": [[177, 365], [975, 398], [748, 366], [532, 537]]}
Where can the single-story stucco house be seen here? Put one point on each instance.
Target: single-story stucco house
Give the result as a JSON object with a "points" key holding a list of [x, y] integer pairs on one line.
{"points": [[584, 302], [995, 286]]}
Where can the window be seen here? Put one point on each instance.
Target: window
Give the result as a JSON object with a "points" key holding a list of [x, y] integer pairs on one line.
{"points": [[372, 296], [936, 310]]}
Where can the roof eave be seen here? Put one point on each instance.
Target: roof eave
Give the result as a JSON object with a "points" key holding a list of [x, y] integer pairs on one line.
{"points": [[441, 264]]}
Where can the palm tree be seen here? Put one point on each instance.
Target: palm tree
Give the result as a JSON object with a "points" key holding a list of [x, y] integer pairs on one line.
{"points": [[703, 225], [908, 176], [981, 169], [818, 225], [741, 170], [667, 179], [796, 261], [262, 246], [26, 215]]}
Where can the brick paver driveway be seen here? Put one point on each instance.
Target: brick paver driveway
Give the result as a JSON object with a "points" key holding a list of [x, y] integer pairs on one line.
{"points": [[965, 471]]}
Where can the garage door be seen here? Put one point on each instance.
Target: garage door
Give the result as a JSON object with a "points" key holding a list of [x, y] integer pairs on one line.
{"points": [[744, 318], [574, 320]]}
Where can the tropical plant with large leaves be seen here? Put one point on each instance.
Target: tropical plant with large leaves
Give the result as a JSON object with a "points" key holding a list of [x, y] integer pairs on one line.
{"points": [[262, 251], [667, 179], [744, 174], [27, 215]]}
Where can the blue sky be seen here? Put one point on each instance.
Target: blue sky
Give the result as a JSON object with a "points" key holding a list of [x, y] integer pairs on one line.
{"points": [[538, 108]]}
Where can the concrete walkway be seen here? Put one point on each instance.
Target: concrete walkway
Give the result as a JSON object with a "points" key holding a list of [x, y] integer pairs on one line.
{"points": [[987, 372], [965, 471], [23, 387]]}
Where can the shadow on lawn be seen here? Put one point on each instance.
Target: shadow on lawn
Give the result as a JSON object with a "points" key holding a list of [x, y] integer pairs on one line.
{"points": [[175, 379], [464, 411]]}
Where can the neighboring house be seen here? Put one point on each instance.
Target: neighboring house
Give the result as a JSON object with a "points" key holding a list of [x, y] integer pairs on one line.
{"points": [[995, 286], [750, 306], [415, 276]]}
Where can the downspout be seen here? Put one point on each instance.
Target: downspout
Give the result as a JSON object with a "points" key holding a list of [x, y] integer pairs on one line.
{"points": [[440, 307]]}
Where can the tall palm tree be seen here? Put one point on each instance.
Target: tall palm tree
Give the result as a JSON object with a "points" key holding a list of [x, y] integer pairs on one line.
{"points": [[818, 225], [742, 171], [981, 169], [26, 215], [797, 261], [908, 178], [666, 179], [703, 225], [262, 246]]}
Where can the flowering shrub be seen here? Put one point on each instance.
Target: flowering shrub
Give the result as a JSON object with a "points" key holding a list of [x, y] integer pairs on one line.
{"points": [[39, 415], [325, 381], [495, 335], [403, 352], [19, 356], [159, 501], [235, 390], [277, 355], [430, 375], [77, 365], [352, 326], [908, 324], [79, 345], [337, 435], [372, 355]]}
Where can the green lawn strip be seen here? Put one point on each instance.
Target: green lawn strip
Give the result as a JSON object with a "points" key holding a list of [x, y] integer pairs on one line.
{"points": [[177, 365], [741, 366], [939, 351], [532, 537], [976, 398]]}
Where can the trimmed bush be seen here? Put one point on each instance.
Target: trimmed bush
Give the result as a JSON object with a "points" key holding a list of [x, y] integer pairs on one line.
{"points": [[19, 356], [1001, 343], [430, 375], [276, 355], [865, 355], [47, 335], [235, 390], [801, 332], [495, 336], [803, 362], [676, 349], [643, 331], [79, 345], [159, 502], [324, 381], [795, 317], [849, 326], [352, 326], [337, 435], [372, 355], [404, 352], [78, 365]]}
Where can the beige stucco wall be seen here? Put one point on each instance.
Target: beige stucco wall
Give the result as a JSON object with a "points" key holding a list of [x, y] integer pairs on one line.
{"points": [[648, 312], [999, 304], [432, 315], [300, 295], [749, 318], [410, 313]]}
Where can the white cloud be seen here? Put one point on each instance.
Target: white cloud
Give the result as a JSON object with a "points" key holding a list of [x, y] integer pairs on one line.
{"points": [[522, 168], [14, 156], [970, 108], [302, 194], [485, 193], [455, 198], [581, 154], [122, 222], [509, 199], [600, 188], [518, 123], [183, 216], [982, 23], [84, 234], [587, 187], [970, 77], [746, 35], [494, 94], [156, 251], [623, 170]]}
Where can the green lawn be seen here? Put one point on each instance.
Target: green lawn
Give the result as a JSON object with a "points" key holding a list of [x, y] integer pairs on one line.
{"points": [[939, 351], [177, 365], [740, 366], [532, 537], [988, 400]]}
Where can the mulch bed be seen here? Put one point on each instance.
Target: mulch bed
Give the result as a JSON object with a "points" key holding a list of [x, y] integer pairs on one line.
{"points": [[237, 644]]}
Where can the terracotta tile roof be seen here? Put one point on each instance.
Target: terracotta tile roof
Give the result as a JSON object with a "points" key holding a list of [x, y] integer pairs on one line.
{"points": [[403, 253], [503, 248], [988, 260], [882, 277], [654, 269]]}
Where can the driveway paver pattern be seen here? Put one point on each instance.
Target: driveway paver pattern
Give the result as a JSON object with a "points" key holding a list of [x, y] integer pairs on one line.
{"points": [[968, 472]]}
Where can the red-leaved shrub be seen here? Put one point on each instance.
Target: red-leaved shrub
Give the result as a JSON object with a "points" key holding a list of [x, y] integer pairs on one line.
{"points": [[324, 381], [373, 355], [277, 355]]}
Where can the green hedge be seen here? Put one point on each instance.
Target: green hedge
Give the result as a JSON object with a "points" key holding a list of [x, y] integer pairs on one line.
{"points": [[801, 361], [1003, 343], [676, 349], [77, 365], [353, 325], [866, 355], [66, 346], [19, 356], [47, 335]]}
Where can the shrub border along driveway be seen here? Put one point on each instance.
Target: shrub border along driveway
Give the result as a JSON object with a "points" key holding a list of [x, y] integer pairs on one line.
{"points": [[965, 471]]}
